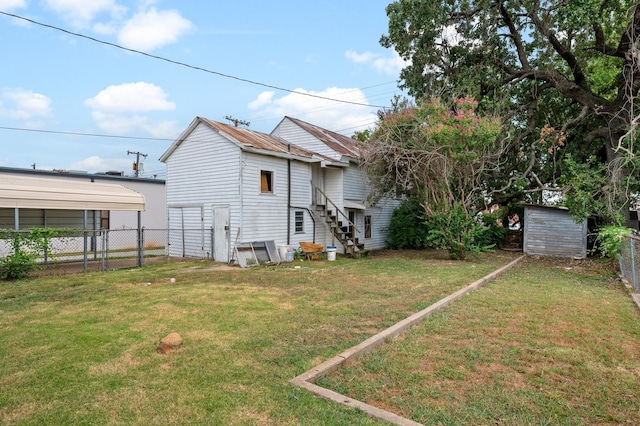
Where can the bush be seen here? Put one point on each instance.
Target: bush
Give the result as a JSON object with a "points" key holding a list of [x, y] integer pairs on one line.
{"points": [[609, 241], [460, 233], [18, 264], [409, 228], [26, 249], [493, 234]]}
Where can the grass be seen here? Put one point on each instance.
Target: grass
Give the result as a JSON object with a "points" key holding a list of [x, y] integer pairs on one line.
{"points": [[542, 344], [545, 344]]}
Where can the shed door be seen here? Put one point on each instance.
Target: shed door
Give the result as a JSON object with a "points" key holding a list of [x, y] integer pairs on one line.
{"points": [[186, 231], [221, 232]]}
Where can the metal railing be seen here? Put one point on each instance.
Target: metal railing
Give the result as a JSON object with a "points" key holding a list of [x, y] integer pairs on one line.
{"points": [[630, 260]]}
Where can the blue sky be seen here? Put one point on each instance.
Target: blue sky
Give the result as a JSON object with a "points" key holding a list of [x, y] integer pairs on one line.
{"points": [[52, 81]]}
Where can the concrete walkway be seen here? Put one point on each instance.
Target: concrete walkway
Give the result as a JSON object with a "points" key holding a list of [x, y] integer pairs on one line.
{"points": [[307, 379]]}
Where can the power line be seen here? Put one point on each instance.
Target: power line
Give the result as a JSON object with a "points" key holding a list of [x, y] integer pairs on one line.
{"points": [[95, 135], [182, 63]]}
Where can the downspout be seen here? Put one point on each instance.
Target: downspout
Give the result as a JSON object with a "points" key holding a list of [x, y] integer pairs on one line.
{"points": [[289, 196]]}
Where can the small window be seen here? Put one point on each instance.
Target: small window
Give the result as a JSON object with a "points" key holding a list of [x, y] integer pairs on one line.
{"points": [[367, 226], [104, 219], [266, 181], [299, 217]]}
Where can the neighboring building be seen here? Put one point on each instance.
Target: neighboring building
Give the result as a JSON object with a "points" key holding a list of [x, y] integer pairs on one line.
{"points": [[41, 215], [551, 231], [227, 185]]}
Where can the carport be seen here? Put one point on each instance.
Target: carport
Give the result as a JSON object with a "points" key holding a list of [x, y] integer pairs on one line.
{"points": [[28, 193]]}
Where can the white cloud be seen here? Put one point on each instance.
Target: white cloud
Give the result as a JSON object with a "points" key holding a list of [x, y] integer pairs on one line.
{"points": [[391, 65], [151, 29], [117, 109], [96, 163], [120, 124], [80, 13], [263, 99], [340, 117], [21, 104], [131, 97], [12, 4], [360, 58]]}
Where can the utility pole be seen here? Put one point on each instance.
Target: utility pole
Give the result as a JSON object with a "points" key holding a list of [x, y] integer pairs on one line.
{"points": [[136, 165], [237, 122]]}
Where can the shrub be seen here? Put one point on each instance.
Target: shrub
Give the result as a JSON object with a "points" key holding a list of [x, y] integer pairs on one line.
{"points": [[609, 241], [19, 263], [26, 249], [409, 228], [493, 234]]}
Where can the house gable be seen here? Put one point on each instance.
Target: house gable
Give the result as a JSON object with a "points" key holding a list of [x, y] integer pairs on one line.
{"points": [[322, 141]]}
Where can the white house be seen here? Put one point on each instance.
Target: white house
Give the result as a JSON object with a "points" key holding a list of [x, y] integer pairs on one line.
{"points": [[227, 185]]}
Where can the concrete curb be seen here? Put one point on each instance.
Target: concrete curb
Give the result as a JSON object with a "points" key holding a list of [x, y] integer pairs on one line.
{"points": [[307, 379], [630, 290]]}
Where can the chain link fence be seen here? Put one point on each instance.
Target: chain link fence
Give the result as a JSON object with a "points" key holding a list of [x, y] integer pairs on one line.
{"points": [[630, 260], [72, 250]]}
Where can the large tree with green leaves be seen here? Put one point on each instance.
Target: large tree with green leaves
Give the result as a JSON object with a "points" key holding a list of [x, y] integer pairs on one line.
{"points": [[565, 73]]}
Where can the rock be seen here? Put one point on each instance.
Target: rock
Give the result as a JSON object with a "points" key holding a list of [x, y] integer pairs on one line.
{"points": [[163, 348], [172, 280], [170, 342]]}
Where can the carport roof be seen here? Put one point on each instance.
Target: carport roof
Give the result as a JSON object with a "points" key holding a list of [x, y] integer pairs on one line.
{"points": [[30, 192]]}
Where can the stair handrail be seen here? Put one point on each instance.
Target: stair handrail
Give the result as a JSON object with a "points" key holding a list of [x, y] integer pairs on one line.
{"points": [[355, 228]]}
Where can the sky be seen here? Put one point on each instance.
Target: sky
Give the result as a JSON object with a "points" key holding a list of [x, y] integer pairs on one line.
{"points": [[137, 73]]}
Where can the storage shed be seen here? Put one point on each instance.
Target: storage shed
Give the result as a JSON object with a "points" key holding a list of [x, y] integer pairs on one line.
{"points": [[551, 231]]}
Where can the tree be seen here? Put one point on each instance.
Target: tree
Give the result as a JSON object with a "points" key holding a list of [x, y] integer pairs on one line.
{"points": [[440, 156], [564, 73]]}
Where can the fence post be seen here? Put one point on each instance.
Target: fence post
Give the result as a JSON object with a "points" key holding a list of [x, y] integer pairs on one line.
{"points": [[633, 266], [106, 250], [103, 250], [141, 246], [85, 250]]}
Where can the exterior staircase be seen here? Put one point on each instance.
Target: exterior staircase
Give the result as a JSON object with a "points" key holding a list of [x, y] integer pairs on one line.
{"points": [[340, 226]]}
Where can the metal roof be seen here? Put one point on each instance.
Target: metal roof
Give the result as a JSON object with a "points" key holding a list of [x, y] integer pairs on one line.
{"points": [[344, 145], [258, 140], [248, 140], [31, 192]]}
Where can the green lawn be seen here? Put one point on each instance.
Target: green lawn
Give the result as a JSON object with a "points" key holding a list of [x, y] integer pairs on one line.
{"points": [[543, 344], [546, 344]]}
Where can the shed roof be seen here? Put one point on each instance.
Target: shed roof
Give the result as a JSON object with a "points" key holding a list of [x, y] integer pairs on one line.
{"points": [[59, 194]]}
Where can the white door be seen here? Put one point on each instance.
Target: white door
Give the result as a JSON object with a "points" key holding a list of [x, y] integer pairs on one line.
{"points": [[221, 232]]}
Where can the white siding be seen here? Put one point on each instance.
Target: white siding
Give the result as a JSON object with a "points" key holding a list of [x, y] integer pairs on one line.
{"points": [[296, 135], [154, 217], [204, 170], [380, 218], [354, 184], [301, 194], [264, 215]]}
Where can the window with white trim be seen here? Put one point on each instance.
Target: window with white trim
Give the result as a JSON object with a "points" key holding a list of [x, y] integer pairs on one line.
{"points": [[367, 226], [266, 181], [299, 221]]}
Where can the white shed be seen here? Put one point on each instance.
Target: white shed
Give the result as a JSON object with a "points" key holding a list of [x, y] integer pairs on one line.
{"points": [[551, 231]]}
